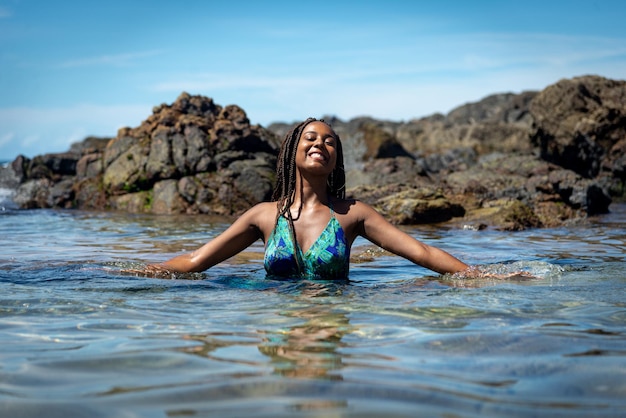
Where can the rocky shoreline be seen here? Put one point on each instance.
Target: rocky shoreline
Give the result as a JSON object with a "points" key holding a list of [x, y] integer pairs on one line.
{"points": [[509, 161]]}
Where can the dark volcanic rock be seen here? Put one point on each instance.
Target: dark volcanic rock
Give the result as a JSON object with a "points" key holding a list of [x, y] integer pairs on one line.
{"points": [[142, 169], [510, 161], [579, 121]]}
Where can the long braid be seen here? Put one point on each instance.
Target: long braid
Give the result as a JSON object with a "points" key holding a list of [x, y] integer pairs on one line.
{"points": [[284, 192], [337, 180]]}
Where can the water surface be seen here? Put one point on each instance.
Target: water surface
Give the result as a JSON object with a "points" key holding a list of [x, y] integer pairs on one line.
{"points": [[79, 338]]}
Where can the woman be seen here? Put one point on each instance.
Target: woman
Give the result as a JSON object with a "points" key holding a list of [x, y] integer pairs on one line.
{"points": [[309, 226]]}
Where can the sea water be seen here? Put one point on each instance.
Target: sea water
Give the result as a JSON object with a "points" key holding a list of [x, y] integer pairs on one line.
{"points": [[80, 338]]}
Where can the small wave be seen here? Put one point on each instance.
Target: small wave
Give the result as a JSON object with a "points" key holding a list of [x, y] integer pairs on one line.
{"points": [[536, 269], [516, 271], [6, 199]]}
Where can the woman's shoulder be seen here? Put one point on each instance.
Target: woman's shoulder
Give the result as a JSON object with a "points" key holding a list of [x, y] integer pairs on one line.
{"points": [[262, 216], [351, 207], [265, 206], [263, 209]]}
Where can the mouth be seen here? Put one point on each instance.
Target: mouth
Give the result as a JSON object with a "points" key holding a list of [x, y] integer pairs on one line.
{"points": [[318, 156]]}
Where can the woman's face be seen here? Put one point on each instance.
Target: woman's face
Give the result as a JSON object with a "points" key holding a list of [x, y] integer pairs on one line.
{"points": [[317, 149]]}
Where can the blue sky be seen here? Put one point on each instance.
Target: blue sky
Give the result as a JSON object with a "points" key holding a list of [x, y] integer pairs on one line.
{"points": [[69, 69]]}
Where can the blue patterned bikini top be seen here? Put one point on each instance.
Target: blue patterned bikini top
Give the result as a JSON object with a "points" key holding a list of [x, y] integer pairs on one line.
{"points": [[327, 258]]}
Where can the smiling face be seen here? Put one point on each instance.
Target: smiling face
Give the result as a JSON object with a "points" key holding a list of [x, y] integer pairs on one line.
{"points": [[317, 149]]}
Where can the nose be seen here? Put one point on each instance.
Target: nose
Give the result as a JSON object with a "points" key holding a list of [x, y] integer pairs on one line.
{"points": [[319, 141]]}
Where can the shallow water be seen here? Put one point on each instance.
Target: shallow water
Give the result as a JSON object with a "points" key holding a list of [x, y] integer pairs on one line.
{"points": [[79, 338]]}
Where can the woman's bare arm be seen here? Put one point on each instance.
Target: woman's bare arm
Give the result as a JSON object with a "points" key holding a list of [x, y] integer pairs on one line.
{"points": [[239, 236], [378, 230]]}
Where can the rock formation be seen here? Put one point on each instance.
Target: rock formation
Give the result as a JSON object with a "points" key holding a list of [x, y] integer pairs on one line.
{"points": [[510, 161], [189, 157]]}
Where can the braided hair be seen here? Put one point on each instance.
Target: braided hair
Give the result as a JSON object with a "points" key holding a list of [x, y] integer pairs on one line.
{"points": [[285, 190]]}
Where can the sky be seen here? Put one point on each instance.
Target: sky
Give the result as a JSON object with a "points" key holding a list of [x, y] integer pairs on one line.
{"points": [[71, 69]]}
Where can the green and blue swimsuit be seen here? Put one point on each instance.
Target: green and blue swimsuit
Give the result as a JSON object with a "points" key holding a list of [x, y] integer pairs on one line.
{"points": [[328, 258]]}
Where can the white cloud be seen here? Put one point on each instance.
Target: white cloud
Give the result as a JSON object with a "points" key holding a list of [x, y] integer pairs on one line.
{"points": [[117, 60], [30, 140], [447, 59], [216, 81], [31, 131], [102, 114], [6, 138]]}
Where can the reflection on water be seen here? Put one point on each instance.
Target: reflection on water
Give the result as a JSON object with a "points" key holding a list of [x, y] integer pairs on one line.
{"points": [[79, 338], [309, 349], [306, 349]]}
